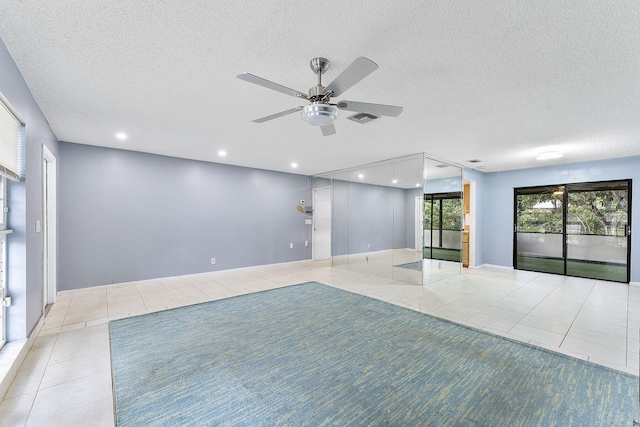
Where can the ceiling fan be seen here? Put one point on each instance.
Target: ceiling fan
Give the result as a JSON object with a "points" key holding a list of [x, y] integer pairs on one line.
{"points": [[321, 112]]}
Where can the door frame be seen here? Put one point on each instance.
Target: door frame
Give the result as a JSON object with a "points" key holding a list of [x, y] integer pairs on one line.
{"points": [[49, 226], [314, 250], [565, 203]]}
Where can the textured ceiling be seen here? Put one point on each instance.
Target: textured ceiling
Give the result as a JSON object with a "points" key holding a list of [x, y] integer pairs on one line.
{"points": [[491, 80]]}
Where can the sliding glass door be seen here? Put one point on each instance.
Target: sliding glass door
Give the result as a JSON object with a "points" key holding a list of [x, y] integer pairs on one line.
{"points": [[598, 230], [443, 226], [539, 230], [579, 230]]}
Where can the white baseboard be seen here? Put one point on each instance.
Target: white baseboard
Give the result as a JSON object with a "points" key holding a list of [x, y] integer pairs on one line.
{"points": [[503, 267]]}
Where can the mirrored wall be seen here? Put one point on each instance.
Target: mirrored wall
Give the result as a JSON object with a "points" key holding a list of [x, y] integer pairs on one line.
{"points": [[378, 219], [443, 221]]}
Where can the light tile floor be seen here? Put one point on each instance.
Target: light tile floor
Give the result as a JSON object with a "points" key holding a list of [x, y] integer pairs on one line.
{"points": [[65, 379]]}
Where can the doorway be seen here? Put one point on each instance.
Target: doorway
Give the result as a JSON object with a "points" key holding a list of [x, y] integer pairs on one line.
{"points": [[321, 236], [443, 226], [49, 227], [581, 230]]}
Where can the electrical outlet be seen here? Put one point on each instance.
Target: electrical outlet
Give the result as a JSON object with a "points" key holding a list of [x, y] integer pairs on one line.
{"points": [[213, 261], [290, 245], [368, 245]]}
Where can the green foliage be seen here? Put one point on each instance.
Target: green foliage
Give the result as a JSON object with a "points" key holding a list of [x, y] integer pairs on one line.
{"points": [[451, 217], [589, 212], [597, 212], [539, 213]]}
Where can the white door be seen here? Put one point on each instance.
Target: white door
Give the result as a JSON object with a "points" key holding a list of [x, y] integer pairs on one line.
{"points": [[321, 224]]}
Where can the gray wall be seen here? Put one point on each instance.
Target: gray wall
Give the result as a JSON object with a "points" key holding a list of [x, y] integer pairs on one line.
{"points": [[25, 246], [369, 218], [498, 201], [127, 216]]}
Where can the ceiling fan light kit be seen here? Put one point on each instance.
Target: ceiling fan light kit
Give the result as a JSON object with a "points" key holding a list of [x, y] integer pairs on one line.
{"points": [[321, 112]]}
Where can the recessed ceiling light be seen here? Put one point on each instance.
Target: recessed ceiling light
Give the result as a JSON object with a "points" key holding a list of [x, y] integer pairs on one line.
{"points": [[395, 181], [417, 184], [222, 153], [294, 165], [121, 136], [360, 176], [548, 155]]}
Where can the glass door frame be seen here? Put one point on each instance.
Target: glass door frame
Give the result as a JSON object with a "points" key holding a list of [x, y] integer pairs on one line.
{"points": [[431, 198], [565, 206]]}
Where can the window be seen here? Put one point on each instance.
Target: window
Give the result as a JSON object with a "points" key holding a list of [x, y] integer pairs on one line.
{"points": [[12, 167], [11, 143], [3, 257]]}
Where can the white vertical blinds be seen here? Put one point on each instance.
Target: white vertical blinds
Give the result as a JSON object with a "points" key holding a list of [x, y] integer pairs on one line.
{"points": [[11, 144]]}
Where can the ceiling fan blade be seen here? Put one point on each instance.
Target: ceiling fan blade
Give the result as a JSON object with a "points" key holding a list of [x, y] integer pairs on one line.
{"points": [[328, 130], [358, 70], [248, 77], [365, 107], [276, 115]]}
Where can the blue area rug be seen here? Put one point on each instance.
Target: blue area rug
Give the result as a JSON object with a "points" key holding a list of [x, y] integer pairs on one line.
{"points": [[415, 265], [312, 355]]}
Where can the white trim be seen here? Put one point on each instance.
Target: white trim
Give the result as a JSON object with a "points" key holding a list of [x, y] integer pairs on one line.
{"points": [[314, 239], [505, 267], [49, 220]]}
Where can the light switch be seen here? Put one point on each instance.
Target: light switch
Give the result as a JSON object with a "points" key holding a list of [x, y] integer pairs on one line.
{"points": [[38, 227], [308, 221]]}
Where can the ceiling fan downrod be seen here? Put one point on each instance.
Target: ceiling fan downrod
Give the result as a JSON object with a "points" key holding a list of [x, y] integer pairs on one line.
{"points": [[316, 94]]}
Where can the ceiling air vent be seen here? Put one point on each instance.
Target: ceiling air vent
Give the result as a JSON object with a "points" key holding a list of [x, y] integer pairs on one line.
{"points": [[474, 161], [362, 118], [442, 166]]}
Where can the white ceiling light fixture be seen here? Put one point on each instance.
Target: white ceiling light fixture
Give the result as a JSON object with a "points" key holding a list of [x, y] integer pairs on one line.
{"points": [[294, 165], [319, 114], [395, 181], [121, 136], [222, 153], [549, 155], [361, 176]]}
